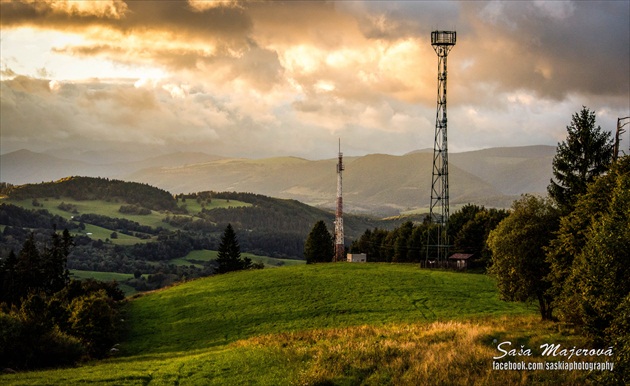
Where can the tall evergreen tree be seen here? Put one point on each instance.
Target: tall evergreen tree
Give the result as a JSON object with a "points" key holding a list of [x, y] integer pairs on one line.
{"points": [[35, 271], [8, 279], [55, 261], [586, 154], [29, 269], [229, 256], [319, 246]]}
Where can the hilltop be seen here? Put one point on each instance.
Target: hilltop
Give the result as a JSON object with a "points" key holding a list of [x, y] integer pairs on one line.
{"points": [[321, 324], [90, 188]]}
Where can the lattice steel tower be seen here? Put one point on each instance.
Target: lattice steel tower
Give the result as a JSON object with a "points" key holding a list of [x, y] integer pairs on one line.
{"points": [[438, 244], [339, 245]]}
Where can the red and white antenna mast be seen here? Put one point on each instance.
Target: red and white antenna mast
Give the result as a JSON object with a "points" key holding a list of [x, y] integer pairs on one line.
{"points": [[339, 245]]}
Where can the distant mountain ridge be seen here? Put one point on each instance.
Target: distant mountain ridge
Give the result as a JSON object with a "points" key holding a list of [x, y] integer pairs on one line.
{"points": [[24, 166], [375, 183]]}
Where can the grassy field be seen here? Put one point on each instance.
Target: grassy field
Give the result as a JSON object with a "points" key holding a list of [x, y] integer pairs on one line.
{"points": [[195, 207], [106, 276], [207, 255], [102, 276], [110, 209], [327, 324]]}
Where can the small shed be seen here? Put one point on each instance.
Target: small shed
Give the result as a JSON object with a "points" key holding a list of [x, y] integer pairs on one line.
{"points": [[357, 258], [461, 259]]}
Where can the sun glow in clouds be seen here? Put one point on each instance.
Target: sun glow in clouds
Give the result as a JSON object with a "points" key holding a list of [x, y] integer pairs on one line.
{"points": [[46, 50], [263, 71]]}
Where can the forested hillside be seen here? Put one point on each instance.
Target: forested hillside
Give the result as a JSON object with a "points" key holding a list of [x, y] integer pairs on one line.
{"points": [[132, 228], [90, 188]]}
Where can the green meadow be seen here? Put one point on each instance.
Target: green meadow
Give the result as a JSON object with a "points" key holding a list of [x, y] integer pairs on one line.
{"points": [[192, 206], [326, 324], [111, 209], [102, 207], [206, 255]]}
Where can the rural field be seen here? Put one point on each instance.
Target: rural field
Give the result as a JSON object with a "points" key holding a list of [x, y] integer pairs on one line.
{"points": [[326, 324], [111, 209]]}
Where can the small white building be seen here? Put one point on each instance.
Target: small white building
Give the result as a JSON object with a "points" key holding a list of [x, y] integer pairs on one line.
{"points": [[357, 258]]}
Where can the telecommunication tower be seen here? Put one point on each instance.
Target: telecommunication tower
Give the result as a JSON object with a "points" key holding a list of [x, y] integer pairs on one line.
{"points": [[438, 245], [620, 131], [339, 245]]}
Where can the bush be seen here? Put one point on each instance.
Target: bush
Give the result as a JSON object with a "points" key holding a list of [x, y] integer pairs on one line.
{"points": [[134, 209], [25, 344], [93, 319], [10, 333]]}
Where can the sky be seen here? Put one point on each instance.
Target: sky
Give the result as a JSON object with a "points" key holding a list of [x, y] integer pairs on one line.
{"points": [[256, 79]]}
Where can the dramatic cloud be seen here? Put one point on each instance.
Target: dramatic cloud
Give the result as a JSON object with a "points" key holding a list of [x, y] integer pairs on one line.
{"points": [[264, 78]]}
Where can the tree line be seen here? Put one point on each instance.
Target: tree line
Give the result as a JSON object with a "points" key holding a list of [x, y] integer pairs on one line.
{"points": [[407, 243]]}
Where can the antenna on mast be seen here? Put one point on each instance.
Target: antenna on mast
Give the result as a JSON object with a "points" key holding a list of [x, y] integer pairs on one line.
{"points": [[437, 243], [339, 243]]}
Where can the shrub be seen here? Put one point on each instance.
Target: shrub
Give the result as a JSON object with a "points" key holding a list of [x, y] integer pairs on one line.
{"points": [[26, 343], [134, 209], [93, 319]]}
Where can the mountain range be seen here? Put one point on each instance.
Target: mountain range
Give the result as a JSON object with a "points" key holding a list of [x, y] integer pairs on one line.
{"points": [[375, 183]]}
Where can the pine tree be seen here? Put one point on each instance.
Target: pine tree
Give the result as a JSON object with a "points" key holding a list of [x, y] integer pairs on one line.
{"points": [[229, 256], [55, 262], [29, 269], [8, 283], [586, 154], [319, 246]]}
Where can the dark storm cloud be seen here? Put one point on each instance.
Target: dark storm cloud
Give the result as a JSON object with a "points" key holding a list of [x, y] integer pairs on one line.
{"points": [[129, 17], [519, 45]]}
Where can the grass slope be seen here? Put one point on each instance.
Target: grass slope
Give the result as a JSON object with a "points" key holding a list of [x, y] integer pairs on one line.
{"points": [[207, 255], [229, 307], [322, 324]]}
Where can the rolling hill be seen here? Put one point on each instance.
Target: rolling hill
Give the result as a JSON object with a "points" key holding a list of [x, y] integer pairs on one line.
{"points": [[319, 324], [376, 183], [24, 166]]}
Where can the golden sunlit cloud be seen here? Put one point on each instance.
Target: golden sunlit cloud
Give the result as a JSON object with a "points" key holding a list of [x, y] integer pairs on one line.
{"points": [[202, 5], [235, 72], [113, 9]]}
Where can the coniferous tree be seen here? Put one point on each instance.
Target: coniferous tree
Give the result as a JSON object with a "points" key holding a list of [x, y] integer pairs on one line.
{"points": [[586, 154], [319, 246], [55, 262], [8, 279], [229, 256], [29, 269]]}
